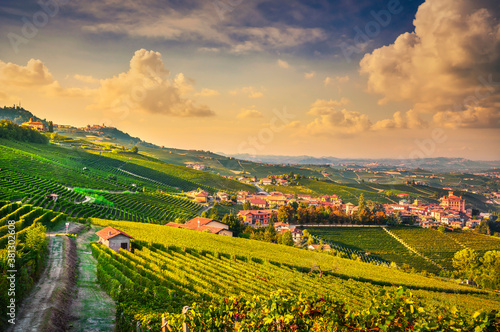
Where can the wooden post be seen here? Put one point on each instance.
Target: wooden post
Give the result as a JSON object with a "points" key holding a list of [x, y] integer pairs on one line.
{"points": [[163, 324], [185, 327]]}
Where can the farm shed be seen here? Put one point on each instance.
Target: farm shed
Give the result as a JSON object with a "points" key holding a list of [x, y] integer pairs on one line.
{"points": [[114, 238]]}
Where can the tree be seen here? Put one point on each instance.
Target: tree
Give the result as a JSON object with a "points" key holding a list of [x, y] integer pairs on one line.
{"points": [[51, 127], [247, 206], [287, 239], [270, 234], [214, 214], [362, 203], [466, 262], [490, 271], [284, 213], [134, 149], [204, 214]]}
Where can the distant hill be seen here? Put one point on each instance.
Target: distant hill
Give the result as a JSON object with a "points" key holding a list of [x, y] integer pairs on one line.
{"points": [[432, 164], [18, 115]]}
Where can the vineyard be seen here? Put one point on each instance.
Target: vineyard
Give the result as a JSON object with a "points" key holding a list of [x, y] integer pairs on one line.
{"points": [[429, 242], [375, 241], [29, 224], [143, 207], [171, 268], [318, 188], [187, 178]]}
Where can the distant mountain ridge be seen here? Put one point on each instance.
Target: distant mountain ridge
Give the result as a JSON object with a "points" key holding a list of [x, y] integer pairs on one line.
{"points": [[439, 164]]}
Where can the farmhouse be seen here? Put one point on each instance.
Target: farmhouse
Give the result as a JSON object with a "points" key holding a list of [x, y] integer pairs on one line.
{"points": [[114, 238], [40, 126], [204, 225], [266, 182]]}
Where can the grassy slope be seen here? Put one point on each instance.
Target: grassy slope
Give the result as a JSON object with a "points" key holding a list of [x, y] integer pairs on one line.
{"points": [[302, 258]]}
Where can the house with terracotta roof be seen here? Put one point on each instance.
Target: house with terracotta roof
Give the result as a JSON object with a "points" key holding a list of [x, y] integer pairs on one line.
{"points": [[252, 217], [266, 182], [40, 126], [283, 182], [114, 238], [276, 201], [204, 225], [258, 202]]}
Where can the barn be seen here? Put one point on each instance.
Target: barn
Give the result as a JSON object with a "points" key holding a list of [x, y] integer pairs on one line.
{"points": [[114, 238]]}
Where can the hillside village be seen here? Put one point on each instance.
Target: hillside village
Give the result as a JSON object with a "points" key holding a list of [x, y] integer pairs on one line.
{"points": [[450, 210]]}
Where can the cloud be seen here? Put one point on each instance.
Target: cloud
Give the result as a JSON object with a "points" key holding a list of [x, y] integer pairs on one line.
{"points": [[208, 93], [309, 75], [443, 65], [146, 87], [332, 119], [249, 91], [35, 73], [209, 49], [338, 79], [86, 79], [274, 37], [283, 64], [34, 77], [410, 120], [250, 114], [195, 22], [184, 85]]}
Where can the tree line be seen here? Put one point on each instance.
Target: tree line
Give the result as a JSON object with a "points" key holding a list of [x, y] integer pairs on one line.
{"points": [[12, 131]]}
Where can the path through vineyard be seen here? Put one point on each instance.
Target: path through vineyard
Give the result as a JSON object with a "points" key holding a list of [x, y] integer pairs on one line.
{"points": [[93, 310], [34, 309]]}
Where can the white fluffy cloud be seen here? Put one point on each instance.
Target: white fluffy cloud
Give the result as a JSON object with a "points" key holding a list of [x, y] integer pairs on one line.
{"points": [[333, 119], [442, 67], [146, 87]]}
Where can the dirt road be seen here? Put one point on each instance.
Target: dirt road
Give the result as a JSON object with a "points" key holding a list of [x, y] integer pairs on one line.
{"points": [[35, 306]]}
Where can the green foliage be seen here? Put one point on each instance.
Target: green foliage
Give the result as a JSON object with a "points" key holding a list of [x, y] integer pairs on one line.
{"points": [[396, 310], [27, 256], [287, 239], [12, 131], [484, 270], [134, 149]]}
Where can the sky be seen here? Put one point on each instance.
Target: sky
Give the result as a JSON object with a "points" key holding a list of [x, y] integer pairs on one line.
{"points": [[351, 79]]}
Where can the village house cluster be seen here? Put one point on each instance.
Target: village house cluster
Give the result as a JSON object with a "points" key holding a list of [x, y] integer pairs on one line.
{"points": [[450, 211], [276, 199]]}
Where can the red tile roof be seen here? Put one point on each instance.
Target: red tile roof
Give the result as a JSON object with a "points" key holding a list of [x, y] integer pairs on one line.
{"points": [[110, 232]]}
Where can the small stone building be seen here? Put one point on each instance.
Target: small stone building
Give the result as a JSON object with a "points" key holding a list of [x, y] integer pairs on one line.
{"points": [[114, 238]]}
